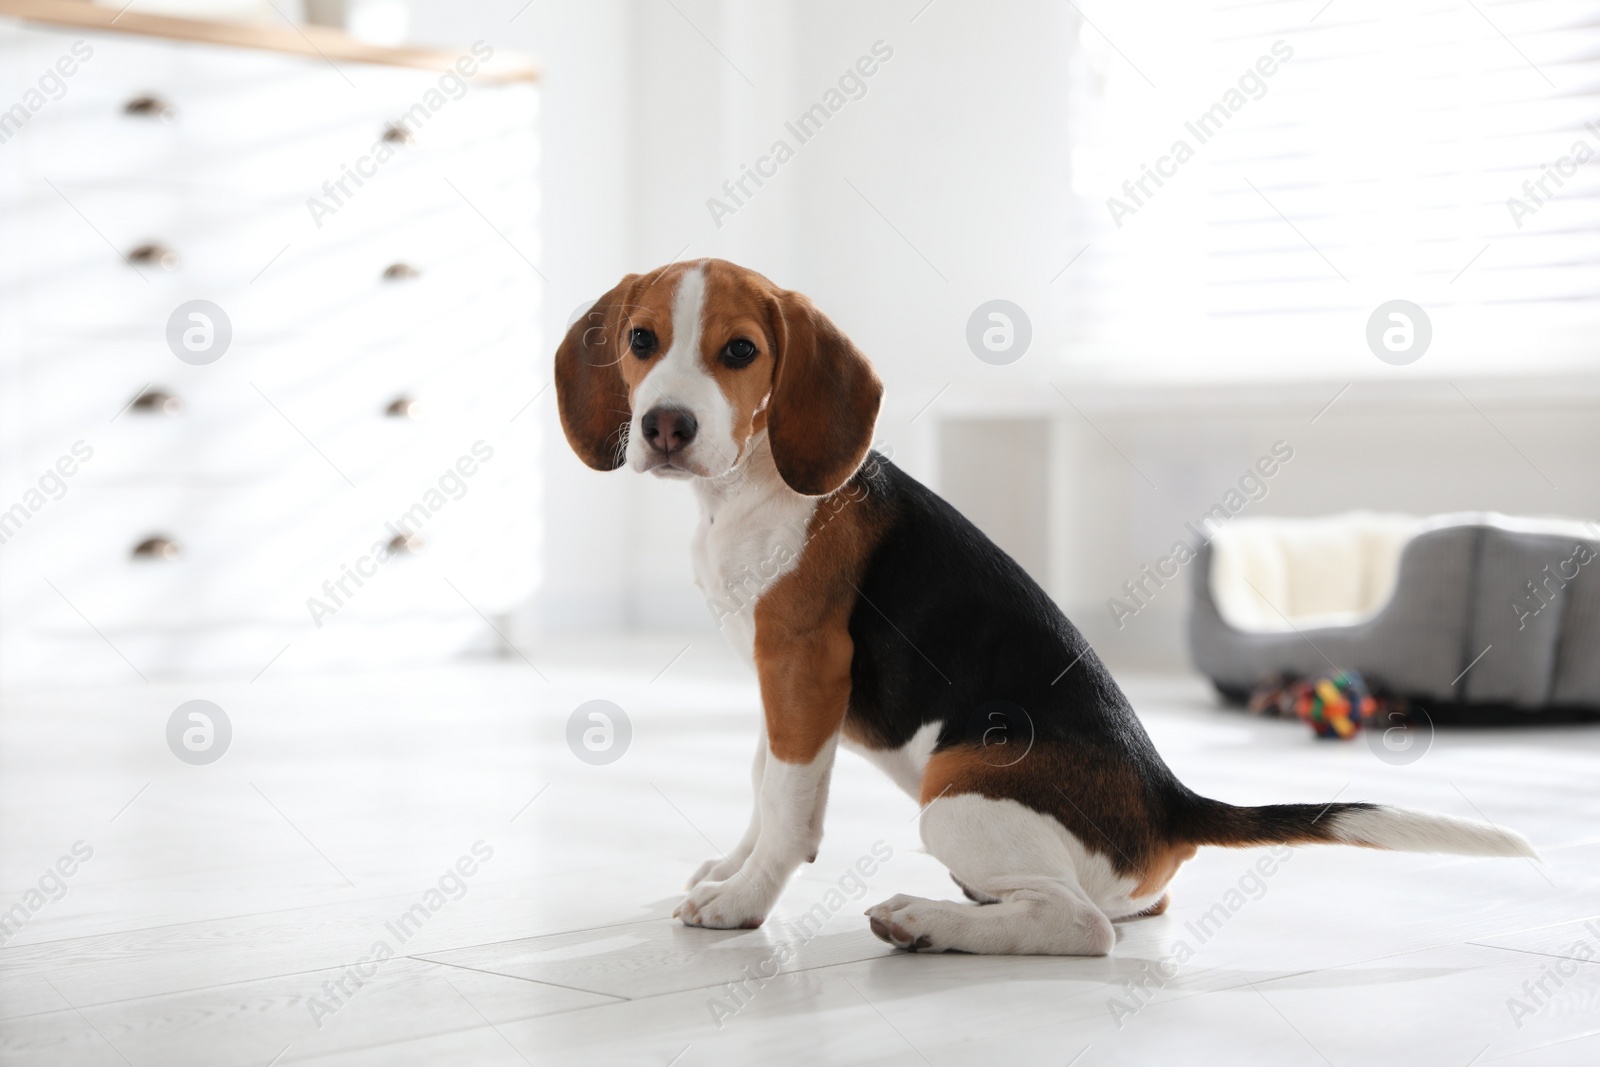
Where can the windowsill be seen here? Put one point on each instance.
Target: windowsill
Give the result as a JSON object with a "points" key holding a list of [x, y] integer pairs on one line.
{"points": [[1049, 397]]}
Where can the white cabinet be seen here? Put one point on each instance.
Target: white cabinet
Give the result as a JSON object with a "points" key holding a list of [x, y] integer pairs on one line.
{"points": [[380, 349]]}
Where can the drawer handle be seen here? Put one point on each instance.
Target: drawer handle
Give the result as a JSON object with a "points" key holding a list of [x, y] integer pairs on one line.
{"points": [[400, 272], [405, 545], [155, 255], [157, 402], [162, 549], [397, 134], [403, 407], [150, 107]]}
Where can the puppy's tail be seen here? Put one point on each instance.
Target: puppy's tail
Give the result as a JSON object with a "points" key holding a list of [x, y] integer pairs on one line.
{"points": [[1202, 821]]}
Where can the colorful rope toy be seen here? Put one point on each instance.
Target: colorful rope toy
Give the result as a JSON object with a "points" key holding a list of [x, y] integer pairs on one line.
{"points": [[1334, 705]]}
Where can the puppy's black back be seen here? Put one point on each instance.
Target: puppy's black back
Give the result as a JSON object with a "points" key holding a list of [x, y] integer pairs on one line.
{"points": [[948, 627]]}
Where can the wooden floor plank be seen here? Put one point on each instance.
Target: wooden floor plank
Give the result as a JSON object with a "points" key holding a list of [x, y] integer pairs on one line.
{"points": [[219, 900]]}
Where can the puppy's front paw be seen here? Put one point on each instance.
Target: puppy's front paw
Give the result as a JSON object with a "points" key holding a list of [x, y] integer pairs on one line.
{"points": [[735, 904], [719, 869]]}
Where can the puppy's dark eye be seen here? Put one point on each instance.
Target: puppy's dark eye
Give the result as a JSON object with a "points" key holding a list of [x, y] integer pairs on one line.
{"points": [[740, 352], [642, 342]]}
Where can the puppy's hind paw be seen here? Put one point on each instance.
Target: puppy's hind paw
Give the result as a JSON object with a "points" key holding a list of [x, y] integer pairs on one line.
{"points": [[897, 921]]}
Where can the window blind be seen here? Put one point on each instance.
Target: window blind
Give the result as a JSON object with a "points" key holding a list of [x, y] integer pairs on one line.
{"points": [[1256, 179]]}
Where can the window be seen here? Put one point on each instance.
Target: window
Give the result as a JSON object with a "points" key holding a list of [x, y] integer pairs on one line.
{"points": [[1257, 178]]}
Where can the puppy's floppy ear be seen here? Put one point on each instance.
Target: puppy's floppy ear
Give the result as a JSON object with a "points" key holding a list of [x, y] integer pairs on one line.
{"points": [[824, 402], [590, 392]]}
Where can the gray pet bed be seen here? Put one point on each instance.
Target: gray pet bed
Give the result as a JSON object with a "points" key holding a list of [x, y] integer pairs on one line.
{"points": [[1472, 611]]}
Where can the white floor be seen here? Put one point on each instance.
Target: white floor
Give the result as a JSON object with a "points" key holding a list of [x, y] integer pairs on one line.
{"points": [[220, 899]]}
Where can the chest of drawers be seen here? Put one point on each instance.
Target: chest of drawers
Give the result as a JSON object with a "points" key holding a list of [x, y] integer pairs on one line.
{"points": [[363, 236]]}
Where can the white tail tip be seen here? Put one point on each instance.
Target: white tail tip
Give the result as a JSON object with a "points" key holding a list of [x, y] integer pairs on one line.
{"points": [[1400, 830]]}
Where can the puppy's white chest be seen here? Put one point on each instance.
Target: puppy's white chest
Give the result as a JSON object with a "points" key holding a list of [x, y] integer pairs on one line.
{"points": [[751, 534]]}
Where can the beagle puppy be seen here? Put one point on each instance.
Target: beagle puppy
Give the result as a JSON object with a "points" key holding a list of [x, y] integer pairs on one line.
{"points": [[878, 618]]}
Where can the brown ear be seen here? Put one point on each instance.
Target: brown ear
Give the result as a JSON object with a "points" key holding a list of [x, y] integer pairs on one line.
{"points": [[824, 403], [590, 392]]}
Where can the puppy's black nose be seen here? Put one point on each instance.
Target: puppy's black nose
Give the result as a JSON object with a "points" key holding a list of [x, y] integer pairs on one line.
{"points": [[668, 430]]}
